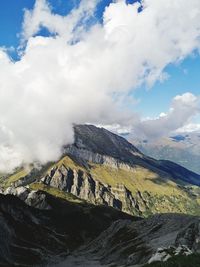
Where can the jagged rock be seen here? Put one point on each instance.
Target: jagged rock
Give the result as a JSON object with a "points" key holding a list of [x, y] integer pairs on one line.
{"points": [[21, 192], [38, 200], [164, 254], [32, 198], [84, 186], [190, 237], [127, 243]]}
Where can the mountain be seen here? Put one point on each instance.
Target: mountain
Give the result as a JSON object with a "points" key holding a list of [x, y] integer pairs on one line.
{"points": [[40, 234], [100, 205], [53, 231], [103, 168], [183, 148]]}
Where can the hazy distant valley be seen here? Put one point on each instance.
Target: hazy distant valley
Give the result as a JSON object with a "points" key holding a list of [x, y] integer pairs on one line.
{"points": [[182, 148]]}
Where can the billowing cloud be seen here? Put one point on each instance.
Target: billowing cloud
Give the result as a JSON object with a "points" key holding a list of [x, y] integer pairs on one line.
{"points": [[41, 16], [183, 108], [83, 71]]}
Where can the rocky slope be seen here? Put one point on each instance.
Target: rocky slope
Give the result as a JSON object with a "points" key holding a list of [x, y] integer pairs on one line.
{"points": [[136, 243], [30, 236], [51, 231], [104, 168]]}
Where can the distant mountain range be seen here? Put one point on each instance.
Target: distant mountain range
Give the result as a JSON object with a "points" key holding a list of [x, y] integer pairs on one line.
{"points": [[183, 148], [90, 208]]}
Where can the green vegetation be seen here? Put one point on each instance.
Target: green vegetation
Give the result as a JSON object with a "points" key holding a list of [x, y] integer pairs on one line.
{"points": [[171, 204], [15, 177], [67, 162], [161, 195], [179, 261], [135, 179], [24, 171], [56, 192]]}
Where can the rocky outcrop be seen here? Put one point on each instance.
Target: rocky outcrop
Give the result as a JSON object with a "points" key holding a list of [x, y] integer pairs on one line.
{"points": [[157, 238], [34, 198], [84, 186], [164, 254], [89, 156], [190, 237]]}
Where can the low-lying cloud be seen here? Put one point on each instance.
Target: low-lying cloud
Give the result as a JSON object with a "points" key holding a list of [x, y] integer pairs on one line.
{"points": [[83, 72]]}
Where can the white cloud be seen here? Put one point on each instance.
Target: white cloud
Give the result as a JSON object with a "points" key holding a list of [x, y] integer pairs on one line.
{"points": [[183, 108], [41, 16], [81, 74], [182, 111], [189, 128], [117, 128]]}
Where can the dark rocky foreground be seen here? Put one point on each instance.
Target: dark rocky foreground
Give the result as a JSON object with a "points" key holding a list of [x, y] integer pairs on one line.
{"points": [[30, 236], [81, 234]]}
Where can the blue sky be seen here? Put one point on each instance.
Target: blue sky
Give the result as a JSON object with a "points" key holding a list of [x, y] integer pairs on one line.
{"points": [[11, 16], [183, 77]]}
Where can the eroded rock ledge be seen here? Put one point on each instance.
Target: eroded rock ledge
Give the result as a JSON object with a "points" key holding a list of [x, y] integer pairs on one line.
{"points": [[84, 186]]}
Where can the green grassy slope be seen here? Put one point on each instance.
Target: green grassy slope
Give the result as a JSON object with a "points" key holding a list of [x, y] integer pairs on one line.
{"points": [[162, 195]]}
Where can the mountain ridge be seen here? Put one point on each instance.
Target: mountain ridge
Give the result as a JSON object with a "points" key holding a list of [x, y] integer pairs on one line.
{"points": [[102, 142], [103, 168], [79, 210]]}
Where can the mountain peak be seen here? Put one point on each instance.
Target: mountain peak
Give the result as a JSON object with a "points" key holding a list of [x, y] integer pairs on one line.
{"points": [[99, 145], [103, 142]]}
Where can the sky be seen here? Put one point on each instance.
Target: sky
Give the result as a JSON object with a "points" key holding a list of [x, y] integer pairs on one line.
{"points": [[130, 66]]}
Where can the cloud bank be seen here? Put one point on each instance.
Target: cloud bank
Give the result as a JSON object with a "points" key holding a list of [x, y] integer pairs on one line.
{"points": [[183, 108], [83, 72]]}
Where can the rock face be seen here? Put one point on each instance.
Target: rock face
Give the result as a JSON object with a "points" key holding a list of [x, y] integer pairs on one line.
{"points": [[159, 237], [164, 254], [89, 138], [34, 198], [84, 186], [33, 237]]}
